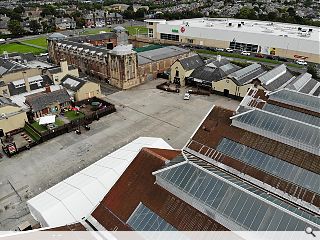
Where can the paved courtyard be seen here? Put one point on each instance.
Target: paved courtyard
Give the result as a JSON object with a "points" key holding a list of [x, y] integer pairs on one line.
{"points": [[142, 111]]}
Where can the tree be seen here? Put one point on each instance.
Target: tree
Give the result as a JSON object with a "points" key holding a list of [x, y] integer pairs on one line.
{"points": [[15, 28], [35, 26], [246, 13], [312, 69]]}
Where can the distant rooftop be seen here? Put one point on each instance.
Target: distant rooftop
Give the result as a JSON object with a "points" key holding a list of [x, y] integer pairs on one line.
{"points": [[272, 28]]}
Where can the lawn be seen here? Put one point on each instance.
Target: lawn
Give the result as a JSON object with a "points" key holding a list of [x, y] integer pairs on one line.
{"points": [[39, 128], [42, 128], [137, 29], [90, 31], [73, 115], [132, 30], [235, 55], [19, 48], [41, 41]]}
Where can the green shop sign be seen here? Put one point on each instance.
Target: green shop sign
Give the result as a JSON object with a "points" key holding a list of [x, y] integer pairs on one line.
{"points": [[174, 30]]}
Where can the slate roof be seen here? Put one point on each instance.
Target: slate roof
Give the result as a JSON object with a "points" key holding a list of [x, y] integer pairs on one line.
{"points": [[56, 36], [39, 101], [247, 74], [191, 62], [214, 71], [55, 70], [276, 78], [163, 53], [72, 83], [78, 45], [96, 37], [8, 66]]}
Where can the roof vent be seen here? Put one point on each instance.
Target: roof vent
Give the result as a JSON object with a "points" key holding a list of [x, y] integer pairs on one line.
{"points": [[299, 28], [239, 24], [242, 23], [230, 24], [310, 29]]}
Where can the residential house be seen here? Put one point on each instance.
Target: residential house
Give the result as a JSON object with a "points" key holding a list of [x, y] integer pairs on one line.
{"points": [[4, 20], [48, 102], [118, 7], [20, 73], [114, 18], [64, 23], [11, 115], [183, 68], [80, 88], [58, 72], [136, 7]]}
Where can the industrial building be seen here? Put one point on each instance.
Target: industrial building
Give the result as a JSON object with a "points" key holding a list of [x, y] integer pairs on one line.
{"points": [[120, 66], [247, 170], [270, 38]]}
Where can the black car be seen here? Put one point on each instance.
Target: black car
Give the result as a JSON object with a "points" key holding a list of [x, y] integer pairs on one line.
{"points": [[282, 59], [271, 57], [164, 75]]}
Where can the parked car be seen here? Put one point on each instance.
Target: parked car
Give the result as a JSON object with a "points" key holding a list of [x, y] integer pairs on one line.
{"points": [[301, 62], [220, 49], [271, 57], [282, 59], [164, 75], [230, 50], [246, 53], [186, 96], [2, 40], [259, 55]]}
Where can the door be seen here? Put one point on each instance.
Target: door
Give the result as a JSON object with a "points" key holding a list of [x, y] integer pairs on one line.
{"points": [[226, 93]]}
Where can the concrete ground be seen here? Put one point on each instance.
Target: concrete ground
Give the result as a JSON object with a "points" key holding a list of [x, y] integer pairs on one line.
{"points": [[142, 111]]}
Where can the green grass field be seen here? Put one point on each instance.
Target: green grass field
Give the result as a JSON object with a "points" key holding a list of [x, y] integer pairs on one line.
{"points": [[132, 30], [19, 48], [41, 41], [72, 115]]}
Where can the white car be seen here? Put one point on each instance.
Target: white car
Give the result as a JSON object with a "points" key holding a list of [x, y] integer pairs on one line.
{"points": [[301, 62], [2, 40], [186, 96], [246, 53], [230, 50]]}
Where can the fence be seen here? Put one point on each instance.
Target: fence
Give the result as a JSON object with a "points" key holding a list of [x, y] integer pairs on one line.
{"points": [[40, 137]]}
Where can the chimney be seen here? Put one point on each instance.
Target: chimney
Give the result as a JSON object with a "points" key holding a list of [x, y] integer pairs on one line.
{"points": [[26, 82], [219, 58], [47, 88], [64, 66]]}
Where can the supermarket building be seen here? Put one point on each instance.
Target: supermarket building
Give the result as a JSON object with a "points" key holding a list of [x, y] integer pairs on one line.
{"points": [[280, 39]]}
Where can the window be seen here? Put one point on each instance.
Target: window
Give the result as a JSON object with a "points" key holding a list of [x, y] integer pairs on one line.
{"points": [[151, 23], [171, 37], [243, 46], [190, 40]]}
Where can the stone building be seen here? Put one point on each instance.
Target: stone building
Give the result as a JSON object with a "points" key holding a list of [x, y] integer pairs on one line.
{"points": [[121, 66]]}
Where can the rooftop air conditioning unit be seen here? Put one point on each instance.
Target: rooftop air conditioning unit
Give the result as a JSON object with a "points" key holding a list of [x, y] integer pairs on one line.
{"points": [[239, 25], [230, 24], [299, 28], [310, 29], [242, 23]]}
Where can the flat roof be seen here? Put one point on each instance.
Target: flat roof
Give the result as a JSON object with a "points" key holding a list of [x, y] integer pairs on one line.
{"points": [[250, 26]]}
